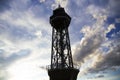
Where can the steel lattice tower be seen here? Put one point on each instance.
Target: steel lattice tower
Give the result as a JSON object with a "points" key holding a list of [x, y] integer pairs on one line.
{"points": [[61, 67]]}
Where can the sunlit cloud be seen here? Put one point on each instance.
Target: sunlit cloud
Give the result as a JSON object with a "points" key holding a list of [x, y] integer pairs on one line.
{"points": [[90, 48], [25, 37]]}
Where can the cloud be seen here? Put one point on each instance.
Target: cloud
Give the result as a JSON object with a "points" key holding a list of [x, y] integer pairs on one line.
{"points": [[112, 58], [5, 5], [6, 61], [97, 76], [23, 31], [41, 1], [22, 28], [100, 3], [93, 38], [17, 25], [3, 74], [26, 33], [92, 46], [62, 3], [113, 7]]}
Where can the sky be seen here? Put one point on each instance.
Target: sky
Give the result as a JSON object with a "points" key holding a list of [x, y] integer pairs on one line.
{"points": [[25, 38]]}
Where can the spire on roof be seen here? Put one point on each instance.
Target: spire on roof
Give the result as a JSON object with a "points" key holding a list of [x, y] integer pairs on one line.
{"points": [[59, 6]]}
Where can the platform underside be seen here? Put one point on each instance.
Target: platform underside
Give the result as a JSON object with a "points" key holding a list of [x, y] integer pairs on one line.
{"points": [[63, 74]]}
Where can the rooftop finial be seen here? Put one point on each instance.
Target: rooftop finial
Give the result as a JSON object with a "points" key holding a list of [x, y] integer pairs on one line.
{"points": [[59, 6]]}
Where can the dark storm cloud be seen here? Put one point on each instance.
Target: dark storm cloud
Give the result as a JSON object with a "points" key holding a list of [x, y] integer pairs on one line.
{"points": [[4, 5]]}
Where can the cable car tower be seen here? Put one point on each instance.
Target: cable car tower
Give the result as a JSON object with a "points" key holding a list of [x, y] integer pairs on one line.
{"points": [[61, 67]]}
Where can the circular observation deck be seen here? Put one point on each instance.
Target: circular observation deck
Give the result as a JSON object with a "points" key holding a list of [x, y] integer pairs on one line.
{"points": [[60, 19]]}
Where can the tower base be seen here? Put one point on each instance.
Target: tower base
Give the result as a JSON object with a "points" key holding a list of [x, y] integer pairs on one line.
{"points": [[63, 74]]}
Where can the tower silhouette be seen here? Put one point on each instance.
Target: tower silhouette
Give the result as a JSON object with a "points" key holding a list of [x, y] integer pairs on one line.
{"points": [[61, 67]]}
